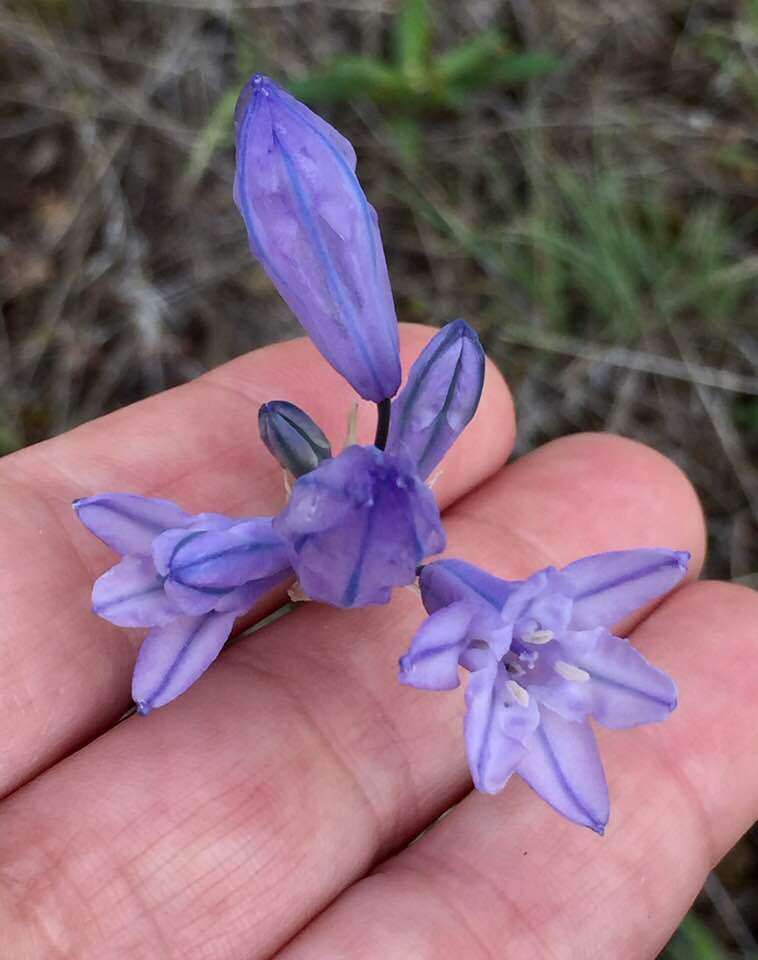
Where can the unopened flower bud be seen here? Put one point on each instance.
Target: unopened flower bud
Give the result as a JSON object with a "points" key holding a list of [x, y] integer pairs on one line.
{"points": [[440, 397], [316, 235], [292, 438]]}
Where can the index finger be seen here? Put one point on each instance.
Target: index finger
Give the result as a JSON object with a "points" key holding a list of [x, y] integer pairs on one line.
{"points": [[64, 673]]}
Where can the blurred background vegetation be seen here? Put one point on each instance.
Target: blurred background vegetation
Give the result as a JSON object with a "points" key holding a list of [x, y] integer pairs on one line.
{"points": [[578, 179]]}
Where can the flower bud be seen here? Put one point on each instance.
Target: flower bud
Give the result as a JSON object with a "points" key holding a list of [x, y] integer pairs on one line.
{"points": [[440, 397], [316, 235], [291, 437]]}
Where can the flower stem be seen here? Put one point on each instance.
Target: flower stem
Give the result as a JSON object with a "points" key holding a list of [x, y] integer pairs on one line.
{"points": [[382, 423]]}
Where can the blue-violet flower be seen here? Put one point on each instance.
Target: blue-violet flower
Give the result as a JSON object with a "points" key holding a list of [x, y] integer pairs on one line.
{"points": [[188, 577], [359, 525], [542, 662]]}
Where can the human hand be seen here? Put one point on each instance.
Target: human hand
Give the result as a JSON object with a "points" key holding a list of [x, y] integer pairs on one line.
{"points": [[271, 800]]}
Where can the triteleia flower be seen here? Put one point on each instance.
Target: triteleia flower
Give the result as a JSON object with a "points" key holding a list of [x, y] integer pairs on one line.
{"points": [[542, 662], [292, 438], [188, 577], [359, 525], [440, 398], [316, 235]]}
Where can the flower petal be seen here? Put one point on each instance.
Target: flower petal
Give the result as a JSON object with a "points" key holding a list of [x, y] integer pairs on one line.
{"points": [[131, 594], [445, 581], [440, 398], [211, 521], [223, 559], [240, 600], [432, 660], [496, 735], [532, 590], [194, 601], [571, 698], [165, 546], [563, 765], [320, 502], [174, 656], [340, 143], [624, 689], [128, 523], [549, 611], [608, 586]]}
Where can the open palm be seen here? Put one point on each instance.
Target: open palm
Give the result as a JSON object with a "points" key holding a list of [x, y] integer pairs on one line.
{"points": [[267, 812]]}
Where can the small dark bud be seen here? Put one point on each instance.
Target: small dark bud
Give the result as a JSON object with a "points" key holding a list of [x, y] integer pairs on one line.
{"points": [[292, 438]]}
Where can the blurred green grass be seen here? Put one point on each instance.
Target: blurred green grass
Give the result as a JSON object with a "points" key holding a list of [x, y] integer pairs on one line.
{"points": [[579, 180], [693, 941]]}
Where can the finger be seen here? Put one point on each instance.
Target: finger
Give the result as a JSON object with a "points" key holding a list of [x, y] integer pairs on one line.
{"points": [[507, 870], [239, 811], [64, 673]]}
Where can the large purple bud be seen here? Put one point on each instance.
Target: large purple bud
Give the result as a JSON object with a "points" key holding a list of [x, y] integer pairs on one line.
{"points": [[316, 235]]}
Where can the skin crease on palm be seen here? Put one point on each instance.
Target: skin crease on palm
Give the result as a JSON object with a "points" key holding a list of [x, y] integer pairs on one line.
{"points": [[267, 812]]}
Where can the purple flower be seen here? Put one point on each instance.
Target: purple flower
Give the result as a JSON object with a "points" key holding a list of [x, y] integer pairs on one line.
{"points": [[543, 662], [316, 235], [359, 525], [440, 397], [292, 438], [188, 577]]}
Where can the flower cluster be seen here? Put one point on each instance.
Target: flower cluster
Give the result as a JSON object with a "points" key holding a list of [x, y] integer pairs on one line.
{"points": [[361, 522]]}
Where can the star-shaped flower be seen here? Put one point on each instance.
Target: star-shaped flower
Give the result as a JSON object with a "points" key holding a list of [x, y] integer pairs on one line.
{"points": [[542, 662]]}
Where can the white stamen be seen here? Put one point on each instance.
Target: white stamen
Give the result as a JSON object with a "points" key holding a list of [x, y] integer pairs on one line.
{"points": [[288, 478], [518, 693], [538, 636], [569, 672]]}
